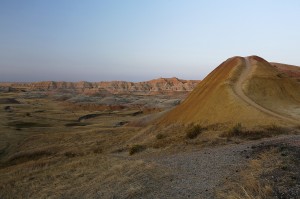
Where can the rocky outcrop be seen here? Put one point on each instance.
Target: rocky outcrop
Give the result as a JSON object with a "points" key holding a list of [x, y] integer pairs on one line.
{"points": [[161, 85]]}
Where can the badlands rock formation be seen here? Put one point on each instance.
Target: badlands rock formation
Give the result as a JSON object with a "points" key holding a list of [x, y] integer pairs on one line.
{"points": [[156, 86], [246, 90]]}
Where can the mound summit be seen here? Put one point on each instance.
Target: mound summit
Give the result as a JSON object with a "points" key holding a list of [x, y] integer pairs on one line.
{"points": [[247, 90]]}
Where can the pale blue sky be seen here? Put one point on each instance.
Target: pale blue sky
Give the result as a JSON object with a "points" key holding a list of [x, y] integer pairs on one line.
{"points": [[137, 40]]}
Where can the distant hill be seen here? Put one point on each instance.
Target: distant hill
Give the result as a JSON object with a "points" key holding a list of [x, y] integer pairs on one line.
{"points": [[156, 86]]}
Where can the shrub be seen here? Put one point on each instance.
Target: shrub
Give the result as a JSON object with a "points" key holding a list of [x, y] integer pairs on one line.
{"points": [[280, 75], [236, 130], [21, 124], [193, 131], [98, 150], [70, 154], [136, 149], [76, 124], [274, 129], [160, 136]]}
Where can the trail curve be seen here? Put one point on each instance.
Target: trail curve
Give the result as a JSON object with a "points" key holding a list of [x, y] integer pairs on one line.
{"points": [[238, 88]]}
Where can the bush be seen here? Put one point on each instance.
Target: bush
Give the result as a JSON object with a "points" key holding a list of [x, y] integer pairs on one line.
{"points": [[98, 150], [136, 148], [160, 136], [236, 129], [274, 129], [193, 131], [21, 124], [70, 154]]}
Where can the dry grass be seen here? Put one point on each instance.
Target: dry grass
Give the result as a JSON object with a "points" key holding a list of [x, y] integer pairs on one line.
{"points": [[177, 136], [238, 131], [269, 175], [66, 158], [88, 176], [249, 184], [69, 159], [193, 130]]}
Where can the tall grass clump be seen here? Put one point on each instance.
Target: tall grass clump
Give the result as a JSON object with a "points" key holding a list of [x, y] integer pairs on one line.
{"points": [[136, 149], [193, 131], [236, 130]]}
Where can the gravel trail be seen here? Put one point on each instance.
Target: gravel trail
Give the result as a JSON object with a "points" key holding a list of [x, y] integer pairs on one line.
{"points": [[197, 174], [238, 88]]}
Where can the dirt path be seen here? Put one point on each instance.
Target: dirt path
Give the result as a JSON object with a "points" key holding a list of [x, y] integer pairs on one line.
{"points": [[238, 88], [197, 174]]}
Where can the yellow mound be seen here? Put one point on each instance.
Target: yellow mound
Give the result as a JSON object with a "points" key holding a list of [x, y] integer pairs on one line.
{"points": [[272, 90], [241, 90]]}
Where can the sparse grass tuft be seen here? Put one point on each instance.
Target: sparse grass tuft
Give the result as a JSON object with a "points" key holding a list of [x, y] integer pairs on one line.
{"points": [[193, 131], [136, 149]]}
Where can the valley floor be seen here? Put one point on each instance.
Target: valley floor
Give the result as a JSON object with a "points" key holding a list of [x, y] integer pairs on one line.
{"points": [[48, 150]]}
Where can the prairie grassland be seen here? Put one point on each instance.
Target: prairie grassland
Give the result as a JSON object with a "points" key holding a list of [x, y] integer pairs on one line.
{"points": [[48, 149], [46, 152]]}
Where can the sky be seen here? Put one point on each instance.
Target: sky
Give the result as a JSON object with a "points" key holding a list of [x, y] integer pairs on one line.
{"points": [[139, 40]]}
